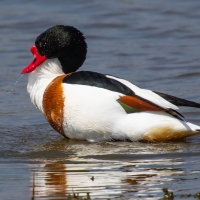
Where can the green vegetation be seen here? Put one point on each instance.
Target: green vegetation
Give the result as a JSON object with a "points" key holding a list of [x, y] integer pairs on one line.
{"points": [[75, 196]]}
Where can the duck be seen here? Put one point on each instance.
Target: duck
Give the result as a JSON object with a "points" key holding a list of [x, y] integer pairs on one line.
{"points": [[87, 105]]}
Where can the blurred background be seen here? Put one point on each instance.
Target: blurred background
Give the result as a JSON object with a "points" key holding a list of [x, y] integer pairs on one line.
{"points": [[154, 44]]}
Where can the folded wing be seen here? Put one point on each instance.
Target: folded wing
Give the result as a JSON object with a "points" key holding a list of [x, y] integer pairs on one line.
{"points": [[131, 98]]}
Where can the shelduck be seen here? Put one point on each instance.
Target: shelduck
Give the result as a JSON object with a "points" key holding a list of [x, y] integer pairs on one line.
{"points": [[91, 106]]}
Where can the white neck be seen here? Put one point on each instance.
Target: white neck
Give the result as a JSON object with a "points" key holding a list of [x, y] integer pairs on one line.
{"points": [[40, 78]]}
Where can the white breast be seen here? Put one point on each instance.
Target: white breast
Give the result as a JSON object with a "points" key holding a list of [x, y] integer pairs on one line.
{"points": [[40, 78]]}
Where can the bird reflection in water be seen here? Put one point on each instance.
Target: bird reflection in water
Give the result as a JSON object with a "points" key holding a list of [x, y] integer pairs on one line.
{"points": [[103, 180]]}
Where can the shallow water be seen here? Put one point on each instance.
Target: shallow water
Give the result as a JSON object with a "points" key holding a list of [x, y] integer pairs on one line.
{"points": [[154, 44]]}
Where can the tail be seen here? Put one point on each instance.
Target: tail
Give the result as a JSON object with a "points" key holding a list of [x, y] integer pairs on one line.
{"points": [[195, 129]]}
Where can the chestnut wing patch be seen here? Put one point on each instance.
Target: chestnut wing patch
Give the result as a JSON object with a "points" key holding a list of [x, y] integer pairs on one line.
{"points": [[137, 104]]}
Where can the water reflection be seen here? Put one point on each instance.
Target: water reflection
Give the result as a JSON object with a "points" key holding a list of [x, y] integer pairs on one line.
{"points": [[55, 180], [139, 178]]}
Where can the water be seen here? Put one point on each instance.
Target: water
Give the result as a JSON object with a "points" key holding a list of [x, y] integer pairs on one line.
{"points": [[154, 44], [16, 83]]}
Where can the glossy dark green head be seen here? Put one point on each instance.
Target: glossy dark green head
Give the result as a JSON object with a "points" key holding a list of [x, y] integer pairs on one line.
{"points": [[65, 43]]}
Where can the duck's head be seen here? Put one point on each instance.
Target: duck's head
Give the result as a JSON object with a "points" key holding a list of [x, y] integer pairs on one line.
{"points": [[65, 43]]}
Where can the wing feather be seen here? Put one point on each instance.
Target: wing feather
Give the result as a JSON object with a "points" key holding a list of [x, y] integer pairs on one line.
{"points": [[141, 98], [147, 94], [178, 101], [139, 103]]}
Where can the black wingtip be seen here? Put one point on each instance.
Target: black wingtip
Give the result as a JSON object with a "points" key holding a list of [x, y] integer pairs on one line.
{"points": [[178, 101]]}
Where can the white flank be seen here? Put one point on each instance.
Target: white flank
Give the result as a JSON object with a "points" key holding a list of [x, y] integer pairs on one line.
{"points": [[94, 114]]}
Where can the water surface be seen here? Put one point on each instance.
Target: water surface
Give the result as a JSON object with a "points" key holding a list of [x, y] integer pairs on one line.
{"points": [[154, 44]]}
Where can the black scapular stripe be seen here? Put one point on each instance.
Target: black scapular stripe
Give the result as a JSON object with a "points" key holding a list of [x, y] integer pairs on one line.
{"points": [[178, 101], [97, 80]]}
